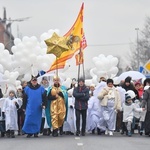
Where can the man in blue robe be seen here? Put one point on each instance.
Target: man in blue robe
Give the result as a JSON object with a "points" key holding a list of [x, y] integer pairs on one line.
{"points": [[34, 100]]}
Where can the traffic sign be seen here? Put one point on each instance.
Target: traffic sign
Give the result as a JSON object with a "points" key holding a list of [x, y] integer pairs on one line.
{"points": [[147, 66]]}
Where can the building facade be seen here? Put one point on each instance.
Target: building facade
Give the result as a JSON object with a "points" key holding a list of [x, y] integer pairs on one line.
{"points": [[6, 36]]}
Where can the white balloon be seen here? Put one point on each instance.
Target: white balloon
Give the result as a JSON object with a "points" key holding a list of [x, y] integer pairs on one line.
{"points": [[95, 59], [2, 47], [101, 73], [34, 40], [106, 64], [15, 63], [39, 58], [114, 61], [25, 39], [32, 58], [109, 57], [14, 49], [34, 71], [45, 67], [114, 70], [99, 64], [91, 72], [18, 55], [27, 77], [17, 83], [25, 52], [16, 74], [94, 80], [101, 56], [17, 41], [44, 36], [29, 45], [6, 53], [38, 50], [94, 70], [1, 69], [43, 51], [20, 46], [43, 44], [6, 73]]}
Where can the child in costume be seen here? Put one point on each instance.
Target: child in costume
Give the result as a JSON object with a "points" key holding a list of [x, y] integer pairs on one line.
{"points": [[9, 112], [128, 113]]}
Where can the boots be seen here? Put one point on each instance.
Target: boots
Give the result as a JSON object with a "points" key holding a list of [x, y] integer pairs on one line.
{"points": [[55, 132], [49, 131], [8, 133], [12, 134], [61, 130], [77, 133], [93, 131], [129, 133], [2, 134], [44, 131]]}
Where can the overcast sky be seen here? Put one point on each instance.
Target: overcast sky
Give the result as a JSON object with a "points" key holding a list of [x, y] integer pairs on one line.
{"points": [[107, 23]]}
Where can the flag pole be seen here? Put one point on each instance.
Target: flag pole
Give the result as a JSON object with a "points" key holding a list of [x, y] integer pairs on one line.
{"points": [[56, 66], [81, 62]]}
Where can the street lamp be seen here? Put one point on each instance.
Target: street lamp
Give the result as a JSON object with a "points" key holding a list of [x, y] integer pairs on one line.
{"points": [[137, 48]]}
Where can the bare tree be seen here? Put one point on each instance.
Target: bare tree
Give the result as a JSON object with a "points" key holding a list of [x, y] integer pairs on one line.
{"points": [[143, 45]]}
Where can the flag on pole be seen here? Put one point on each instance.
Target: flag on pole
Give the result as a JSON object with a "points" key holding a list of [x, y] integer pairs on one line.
{"points": [[76, 40], [79, 58], [60, 65]]}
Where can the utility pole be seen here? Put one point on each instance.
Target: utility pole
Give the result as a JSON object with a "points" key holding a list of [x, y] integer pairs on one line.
{"points": [[137, 48]]}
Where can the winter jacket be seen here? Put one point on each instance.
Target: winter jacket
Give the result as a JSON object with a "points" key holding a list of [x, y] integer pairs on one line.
{"points": [[104, 96], [81, 94], [146, 99]]}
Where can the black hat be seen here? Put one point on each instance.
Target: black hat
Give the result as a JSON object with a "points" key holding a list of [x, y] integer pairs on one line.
{"points": [[128, 79], [146, 81], [81, 79]]}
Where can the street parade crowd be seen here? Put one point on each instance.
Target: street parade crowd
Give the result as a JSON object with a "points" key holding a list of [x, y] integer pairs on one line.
{"points": [[43, 109]]}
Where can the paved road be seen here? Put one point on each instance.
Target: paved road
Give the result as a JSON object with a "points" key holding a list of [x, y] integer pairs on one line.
{"points": [[70, 142]]}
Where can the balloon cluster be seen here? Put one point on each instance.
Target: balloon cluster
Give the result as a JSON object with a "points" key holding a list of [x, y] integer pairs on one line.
{"points": [[28, 58], [104, 67]]}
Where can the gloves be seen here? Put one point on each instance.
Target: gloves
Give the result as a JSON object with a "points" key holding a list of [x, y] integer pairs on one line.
{"points": [[3, 115], [61, 94], [17, 105]]}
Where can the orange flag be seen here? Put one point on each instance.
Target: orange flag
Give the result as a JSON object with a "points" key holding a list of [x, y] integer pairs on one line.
{"points": [[76, 40], [59, 66], [79, 58]]}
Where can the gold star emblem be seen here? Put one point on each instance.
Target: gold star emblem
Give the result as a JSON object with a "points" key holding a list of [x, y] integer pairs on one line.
{"points": [[56, 45]]}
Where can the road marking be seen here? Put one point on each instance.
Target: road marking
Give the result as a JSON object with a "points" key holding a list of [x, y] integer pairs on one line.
{"points": [[77, 138], [80, 144]]}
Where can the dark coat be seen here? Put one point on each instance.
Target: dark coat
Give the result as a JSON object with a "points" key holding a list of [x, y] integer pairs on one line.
{"points": [[82, 96], [131, 87], [146, 99], [1, 94]]}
